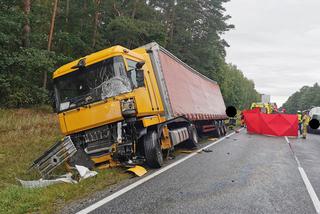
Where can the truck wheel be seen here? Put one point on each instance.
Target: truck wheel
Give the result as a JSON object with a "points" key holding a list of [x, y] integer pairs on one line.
{"points": [[152, 149], [221, 130], [224, 129], [217, 132], [193, 137]]}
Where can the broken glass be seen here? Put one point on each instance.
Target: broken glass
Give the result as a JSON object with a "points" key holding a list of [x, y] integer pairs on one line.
{"points": [[93, 83]]}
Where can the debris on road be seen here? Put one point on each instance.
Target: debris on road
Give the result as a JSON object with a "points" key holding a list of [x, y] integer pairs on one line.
{"points": [[138, 170], [81, 158], [54, 157], [67, 178], [185, 151], [206, 150], [83, 171]]}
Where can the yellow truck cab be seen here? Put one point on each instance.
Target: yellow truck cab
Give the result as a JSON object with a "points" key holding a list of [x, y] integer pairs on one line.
{"points": [[127, 106], [96, 90]]}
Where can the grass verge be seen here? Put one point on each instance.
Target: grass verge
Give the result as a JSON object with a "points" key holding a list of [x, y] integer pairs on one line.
{"points": [[24, 135]]}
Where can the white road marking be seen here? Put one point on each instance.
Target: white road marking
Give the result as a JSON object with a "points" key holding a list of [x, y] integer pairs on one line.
{"points": [[143, 180], [310, 189], [312, 193], [287, 139]]}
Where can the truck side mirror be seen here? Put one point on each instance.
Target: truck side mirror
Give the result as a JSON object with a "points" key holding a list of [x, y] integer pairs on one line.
{"points": [[140, 74], [136, 75], [140, 77], [139, 65]]}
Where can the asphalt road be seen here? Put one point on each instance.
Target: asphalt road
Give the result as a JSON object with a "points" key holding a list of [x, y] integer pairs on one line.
{"points": [[243, 174]]}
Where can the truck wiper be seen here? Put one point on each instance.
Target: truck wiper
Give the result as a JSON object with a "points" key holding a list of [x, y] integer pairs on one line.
{"points": [[78, 100], [86, 98]]}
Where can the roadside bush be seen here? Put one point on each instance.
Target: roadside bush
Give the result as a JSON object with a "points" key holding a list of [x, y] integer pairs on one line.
{"points": [[21, 76]]}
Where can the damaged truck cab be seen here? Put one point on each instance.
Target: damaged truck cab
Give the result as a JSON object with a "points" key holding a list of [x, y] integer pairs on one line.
{"points": [[108, 102], [128, 106]]}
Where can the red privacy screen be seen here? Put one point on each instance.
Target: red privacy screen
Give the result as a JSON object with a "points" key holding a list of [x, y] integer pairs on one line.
{"points": [[190, 94], [271, 124]]}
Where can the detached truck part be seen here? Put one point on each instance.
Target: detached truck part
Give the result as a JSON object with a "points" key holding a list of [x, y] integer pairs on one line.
{"points": [[122, 106]]}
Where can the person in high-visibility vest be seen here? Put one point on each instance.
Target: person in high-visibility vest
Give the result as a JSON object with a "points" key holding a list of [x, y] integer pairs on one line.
{"points": [[300, 122], [305, 123]]}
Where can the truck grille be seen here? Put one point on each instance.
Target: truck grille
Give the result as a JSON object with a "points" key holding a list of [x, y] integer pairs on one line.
{"points": [[97, 134], [97, 140]]}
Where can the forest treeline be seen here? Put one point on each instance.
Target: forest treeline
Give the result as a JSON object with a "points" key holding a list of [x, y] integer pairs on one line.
{"points": [[38, 36], [304, 99]]}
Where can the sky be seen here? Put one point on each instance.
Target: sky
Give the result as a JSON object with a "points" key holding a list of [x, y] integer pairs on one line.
{"points": [[276, 43]]}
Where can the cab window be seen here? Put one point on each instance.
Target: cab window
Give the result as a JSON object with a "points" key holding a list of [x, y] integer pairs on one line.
{"points": [[132, 73]]}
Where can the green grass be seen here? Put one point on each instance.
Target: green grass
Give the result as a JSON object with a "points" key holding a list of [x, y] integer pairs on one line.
{"points": [[24, 135]]}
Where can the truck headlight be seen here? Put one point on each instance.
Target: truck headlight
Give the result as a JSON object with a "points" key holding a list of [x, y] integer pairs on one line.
{"points": [[128, 108]]}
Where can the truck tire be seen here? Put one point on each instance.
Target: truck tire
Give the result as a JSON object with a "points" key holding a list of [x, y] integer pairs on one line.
{"points": [[222, 131], [193, 137], [217, 132], [152, 149], [224, 127]]}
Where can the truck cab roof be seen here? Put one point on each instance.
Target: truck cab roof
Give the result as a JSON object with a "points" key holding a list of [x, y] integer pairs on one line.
{"points": [[95, 57]]}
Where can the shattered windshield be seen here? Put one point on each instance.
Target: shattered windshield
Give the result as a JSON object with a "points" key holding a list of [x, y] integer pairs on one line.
{"points": [[95, 82]]}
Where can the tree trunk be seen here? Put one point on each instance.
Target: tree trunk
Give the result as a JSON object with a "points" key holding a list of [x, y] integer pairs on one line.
{"points": [[67, 11], [96, 22], [116, 9], [134, 9], [84, 14], [26, 28], [53, 18], [172, 22]]}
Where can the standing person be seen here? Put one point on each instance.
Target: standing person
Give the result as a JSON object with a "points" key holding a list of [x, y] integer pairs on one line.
{"points": [[300, 122], [305, 122]]}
